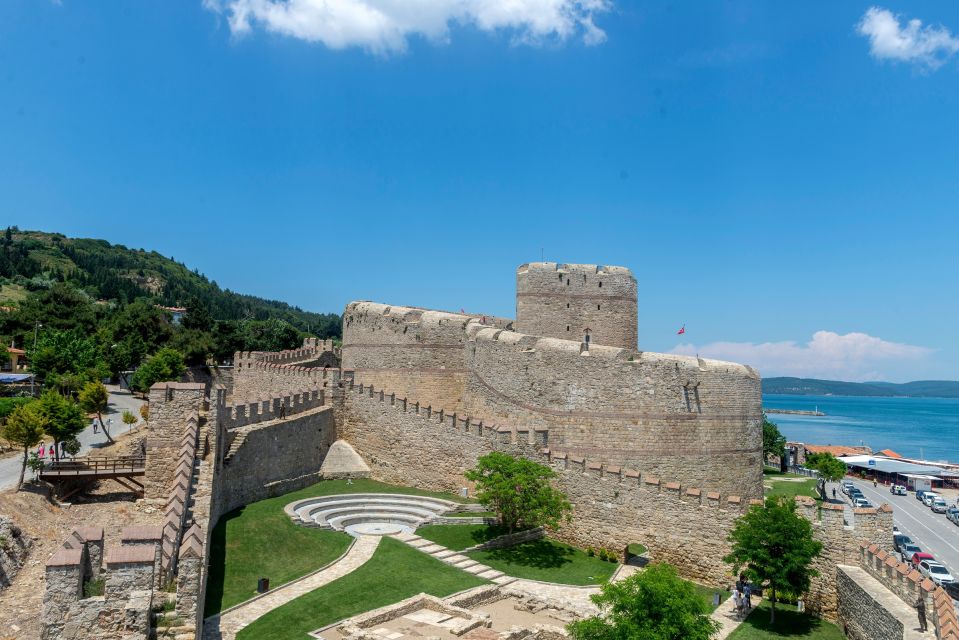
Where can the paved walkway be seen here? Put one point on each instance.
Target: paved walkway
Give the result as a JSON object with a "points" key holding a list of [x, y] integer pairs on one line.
{"points": [[120, 400], [725, 614], [226, 625]]}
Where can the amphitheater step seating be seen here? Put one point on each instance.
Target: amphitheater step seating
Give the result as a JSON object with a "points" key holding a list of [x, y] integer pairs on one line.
{"points": [[455, 559], [375, 511]]}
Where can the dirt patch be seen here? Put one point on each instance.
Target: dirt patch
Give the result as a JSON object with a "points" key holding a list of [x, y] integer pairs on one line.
{"points": [[49, 524]]}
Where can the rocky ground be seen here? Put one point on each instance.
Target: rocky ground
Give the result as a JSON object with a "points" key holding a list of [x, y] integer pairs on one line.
{"points": [[48, 523]]}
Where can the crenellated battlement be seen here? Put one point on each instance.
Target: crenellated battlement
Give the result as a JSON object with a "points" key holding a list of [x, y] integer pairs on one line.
{"points": [[536, 438], [275, 408]]}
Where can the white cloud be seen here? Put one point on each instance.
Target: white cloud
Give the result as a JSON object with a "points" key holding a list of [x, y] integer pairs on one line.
{"points": [[853, 356], [384, 26], [928, 46]]}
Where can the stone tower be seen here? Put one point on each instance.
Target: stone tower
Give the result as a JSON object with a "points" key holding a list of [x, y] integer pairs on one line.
{"points": [[564, 300]]}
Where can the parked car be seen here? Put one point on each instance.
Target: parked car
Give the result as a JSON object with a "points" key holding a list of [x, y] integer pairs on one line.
{"points": [[928, 497], [900, 540], [935, 571], [918, 557], [953, 514], [861, 503], [846, 486], [952, 588], [908, 549], [939, 505], [919, 494], [897, 490]]}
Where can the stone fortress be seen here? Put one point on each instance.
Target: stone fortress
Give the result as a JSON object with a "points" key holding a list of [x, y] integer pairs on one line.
{"points": [[658, 449]]}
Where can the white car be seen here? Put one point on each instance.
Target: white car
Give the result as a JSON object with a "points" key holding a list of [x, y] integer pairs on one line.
{"points": [[897, 490], [935, 571], [939, 505], [862, 503], [928, 497]]}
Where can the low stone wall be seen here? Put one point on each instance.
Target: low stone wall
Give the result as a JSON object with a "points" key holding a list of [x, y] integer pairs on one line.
{"points": [[862, 613], [508, 540]]}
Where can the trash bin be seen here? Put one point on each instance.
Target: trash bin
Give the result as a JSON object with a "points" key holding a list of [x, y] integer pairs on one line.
{"points": [[262, 585]]}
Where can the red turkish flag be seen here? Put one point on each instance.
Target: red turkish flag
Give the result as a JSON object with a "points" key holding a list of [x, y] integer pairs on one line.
{"points": [[681, 331]]}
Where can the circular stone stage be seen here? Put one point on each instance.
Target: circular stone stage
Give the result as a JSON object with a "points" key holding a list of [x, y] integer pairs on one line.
{"points": [[377, 529]]}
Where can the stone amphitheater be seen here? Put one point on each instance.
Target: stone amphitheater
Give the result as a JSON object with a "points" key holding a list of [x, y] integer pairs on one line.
{"points": [[651, 448]]}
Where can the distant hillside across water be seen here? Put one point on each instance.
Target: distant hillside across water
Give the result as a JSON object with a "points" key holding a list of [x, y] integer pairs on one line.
{"points": [[814, 387]]}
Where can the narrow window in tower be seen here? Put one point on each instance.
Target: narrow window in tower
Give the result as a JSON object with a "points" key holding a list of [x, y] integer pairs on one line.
{"points": [[567, 305], [601, 285], [567, 282], [597, 307], [567, 327]]}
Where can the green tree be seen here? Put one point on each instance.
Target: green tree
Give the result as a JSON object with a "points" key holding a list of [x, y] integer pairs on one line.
{"points": [[165, 364], [129, 419], [64, 417], [24, 428], [519, 491], [774, 443], [65, 359], [830, 468], [774, 546], [94, 398], [62, 307], [654, 604], [138, 329]]}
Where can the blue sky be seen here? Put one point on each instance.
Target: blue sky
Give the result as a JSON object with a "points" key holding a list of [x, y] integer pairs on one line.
{"points": [[783, 182]]}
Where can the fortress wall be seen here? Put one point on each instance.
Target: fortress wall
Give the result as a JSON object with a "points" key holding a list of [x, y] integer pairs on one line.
{"points": [[411, 351], [267, 459], [613, 507], [561, 300], [255, 380], [673, 416]]}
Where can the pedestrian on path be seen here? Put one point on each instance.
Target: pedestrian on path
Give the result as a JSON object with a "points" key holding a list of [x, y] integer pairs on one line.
{"points": [[747, 597], [921, 610], [834, 493]]}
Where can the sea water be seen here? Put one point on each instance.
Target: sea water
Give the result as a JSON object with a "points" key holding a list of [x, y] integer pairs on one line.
{"points": [[926, 428]]}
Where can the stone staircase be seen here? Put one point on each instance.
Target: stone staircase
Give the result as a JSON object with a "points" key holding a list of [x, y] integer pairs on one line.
{"points": [[238, 441], [455, 559]]}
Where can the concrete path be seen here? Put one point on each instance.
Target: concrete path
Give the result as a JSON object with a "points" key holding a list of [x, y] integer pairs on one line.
{"points": [[226, 625], [725, 614], [120, 400]]}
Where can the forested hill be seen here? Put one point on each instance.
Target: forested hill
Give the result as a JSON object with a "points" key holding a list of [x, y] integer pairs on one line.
{"points": [[814, 387], [113, 294], [30, 260]]}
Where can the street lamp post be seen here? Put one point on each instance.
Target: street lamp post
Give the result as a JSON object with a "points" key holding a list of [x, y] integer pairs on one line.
{"points": [[33, 375]]}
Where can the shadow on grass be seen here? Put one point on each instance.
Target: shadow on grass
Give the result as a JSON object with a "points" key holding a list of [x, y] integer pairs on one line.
{"points": [[789, 623], [487, 533], [217, 569], [541, 554]]}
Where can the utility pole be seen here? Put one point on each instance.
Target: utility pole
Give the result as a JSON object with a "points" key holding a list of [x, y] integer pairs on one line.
{"points": [[33, 374]]}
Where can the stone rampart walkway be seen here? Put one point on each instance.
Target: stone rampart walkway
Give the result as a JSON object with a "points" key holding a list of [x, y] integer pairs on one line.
{"points": [[226, 625]]}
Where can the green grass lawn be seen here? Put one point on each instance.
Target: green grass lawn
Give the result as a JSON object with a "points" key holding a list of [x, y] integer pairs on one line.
{"points": [[807, 487], [461, 536], [260, 540], [706, 593], [789, 624], [549, 561], [396, 571]]}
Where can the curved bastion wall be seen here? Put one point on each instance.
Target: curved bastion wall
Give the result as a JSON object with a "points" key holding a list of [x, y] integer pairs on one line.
{"points": [[417, 353], [563, 300], [671, 416]]}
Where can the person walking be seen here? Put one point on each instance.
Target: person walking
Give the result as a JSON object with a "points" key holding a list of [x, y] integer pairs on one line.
{"points": [[921, 611], [737, 602], [747, 597]]}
